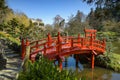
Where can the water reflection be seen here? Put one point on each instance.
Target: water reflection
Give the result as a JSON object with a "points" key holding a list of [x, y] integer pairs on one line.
{"points": [[71, 63], [97, 74]]}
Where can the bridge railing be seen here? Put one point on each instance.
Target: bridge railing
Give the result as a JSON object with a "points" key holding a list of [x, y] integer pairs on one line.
{"points": [[46, 46], [88, 43], [99, 45], [81, 42]]}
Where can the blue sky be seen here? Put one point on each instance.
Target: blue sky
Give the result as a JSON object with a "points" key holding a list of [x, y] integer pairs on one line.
{"points": [[48, 9]]}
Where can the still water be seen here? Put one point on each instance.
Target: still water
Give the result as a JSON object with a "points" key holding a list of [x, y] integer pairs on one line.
{"points": [[96, 74]]}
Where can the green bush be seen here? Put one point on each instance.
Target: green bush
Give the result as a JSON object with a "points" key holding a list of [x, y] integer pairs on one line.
{"points": [[109, 61], [44, 69], [109, 35], [11, 42]]}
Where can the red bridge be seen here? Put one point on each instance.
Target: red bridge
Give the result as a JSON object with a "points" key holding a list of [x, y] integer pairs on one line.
{"points": [[55, 48]]}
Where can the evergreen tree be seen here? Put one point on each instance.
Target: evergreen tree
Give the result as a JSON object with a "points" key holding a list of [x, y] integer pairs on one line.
{"points": [[75, 24]]}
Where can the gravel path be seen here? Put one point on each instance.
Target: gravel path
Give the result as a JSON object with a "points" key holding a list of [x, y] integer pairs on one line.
{"points": [[13, 66]]}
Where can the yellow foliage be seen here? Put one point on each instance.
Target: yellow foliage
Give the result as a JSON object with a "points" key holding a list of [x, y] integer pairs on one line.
{"points": [[4, 34], [17, 30], [9, 37], [9, 16], [22, 18]]}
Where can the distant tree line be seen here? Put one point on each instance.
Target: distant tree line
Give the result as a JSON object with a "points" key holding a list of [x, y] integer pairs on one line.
{"points": [[75, 24], [105, 17]]}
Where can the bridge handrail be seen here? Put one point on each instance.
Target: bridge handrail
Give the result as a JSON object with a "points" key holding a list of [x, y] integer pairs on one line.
{"points": [[43, 44]]}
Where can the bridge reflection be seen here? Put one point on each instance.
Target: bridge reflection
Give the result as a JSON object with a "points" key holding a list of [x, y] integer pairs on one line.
{"points": [[83, 70]]}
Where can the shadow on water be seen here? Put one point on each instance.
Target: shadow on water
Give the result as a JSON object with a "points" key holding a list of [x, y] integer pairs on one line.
{"points": [[84, 70]]}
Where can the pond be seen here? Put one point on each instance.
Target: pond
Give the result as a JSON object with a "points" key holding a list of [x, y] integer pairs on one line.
{"points": [[96, 74]]}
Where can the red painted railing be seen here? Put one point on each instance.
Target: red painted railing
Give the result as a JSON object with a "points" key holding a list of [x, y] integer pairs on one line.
{"points": [[52, 48]]}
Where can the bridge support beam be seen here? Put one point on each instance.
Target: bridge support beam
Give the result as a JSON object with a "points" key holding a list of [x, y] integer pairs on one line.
{"points": [[77, 60], [93, 59], [76, 63], [60, 64], [66, 63]]}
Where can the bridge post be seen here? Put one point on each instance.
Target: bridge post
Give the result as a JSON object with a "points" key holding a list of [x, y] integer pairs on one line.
{"points": [[60, 63], [49, 39], [27, 53], [66, 63], [93, 58], [82, 43], [71, 42], [27, 56], [59, 43], [44, 49], [77, 60], [59, 47], [23, 49], [91, 41], [37, 45]]}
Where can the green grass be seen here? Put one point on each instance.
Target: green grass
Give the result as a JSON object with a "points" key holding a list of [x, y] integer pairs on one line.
{"points": [[112, 61], [107, 33]]}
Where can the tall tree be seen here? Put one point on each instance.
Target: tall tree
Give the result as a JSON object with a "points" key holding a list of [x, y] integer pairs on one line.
{"points": [[95, 18], [111, 8], [2, 4], [59, 23], [79, 16], [107, 11], [3, 10], [48, 29], [75, 23]]}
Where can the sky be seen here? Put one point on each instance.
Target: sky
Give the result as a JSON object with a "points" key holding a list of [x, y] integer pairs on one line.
{"points": [[48, 9]]}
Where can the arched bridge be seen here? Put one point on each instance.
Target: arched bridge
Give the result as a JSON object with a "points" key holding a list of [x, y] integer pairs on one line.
{"points": [[57, 47]]}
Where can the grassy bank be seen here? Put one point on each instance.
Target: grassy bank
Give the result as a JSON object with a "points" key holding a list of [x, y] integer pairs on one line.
{"points": [[111, 61]]}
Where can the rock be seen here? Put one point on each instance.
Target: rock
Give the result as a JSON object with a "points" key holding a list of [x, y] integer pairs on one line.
{"points": [[3, 62], [10, 63], [13, 67]]}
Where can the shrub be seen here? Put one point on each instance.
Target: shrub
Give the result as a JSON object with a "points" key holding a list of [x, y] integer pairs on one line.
{"points": [[44, 69], [10, 41]]}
